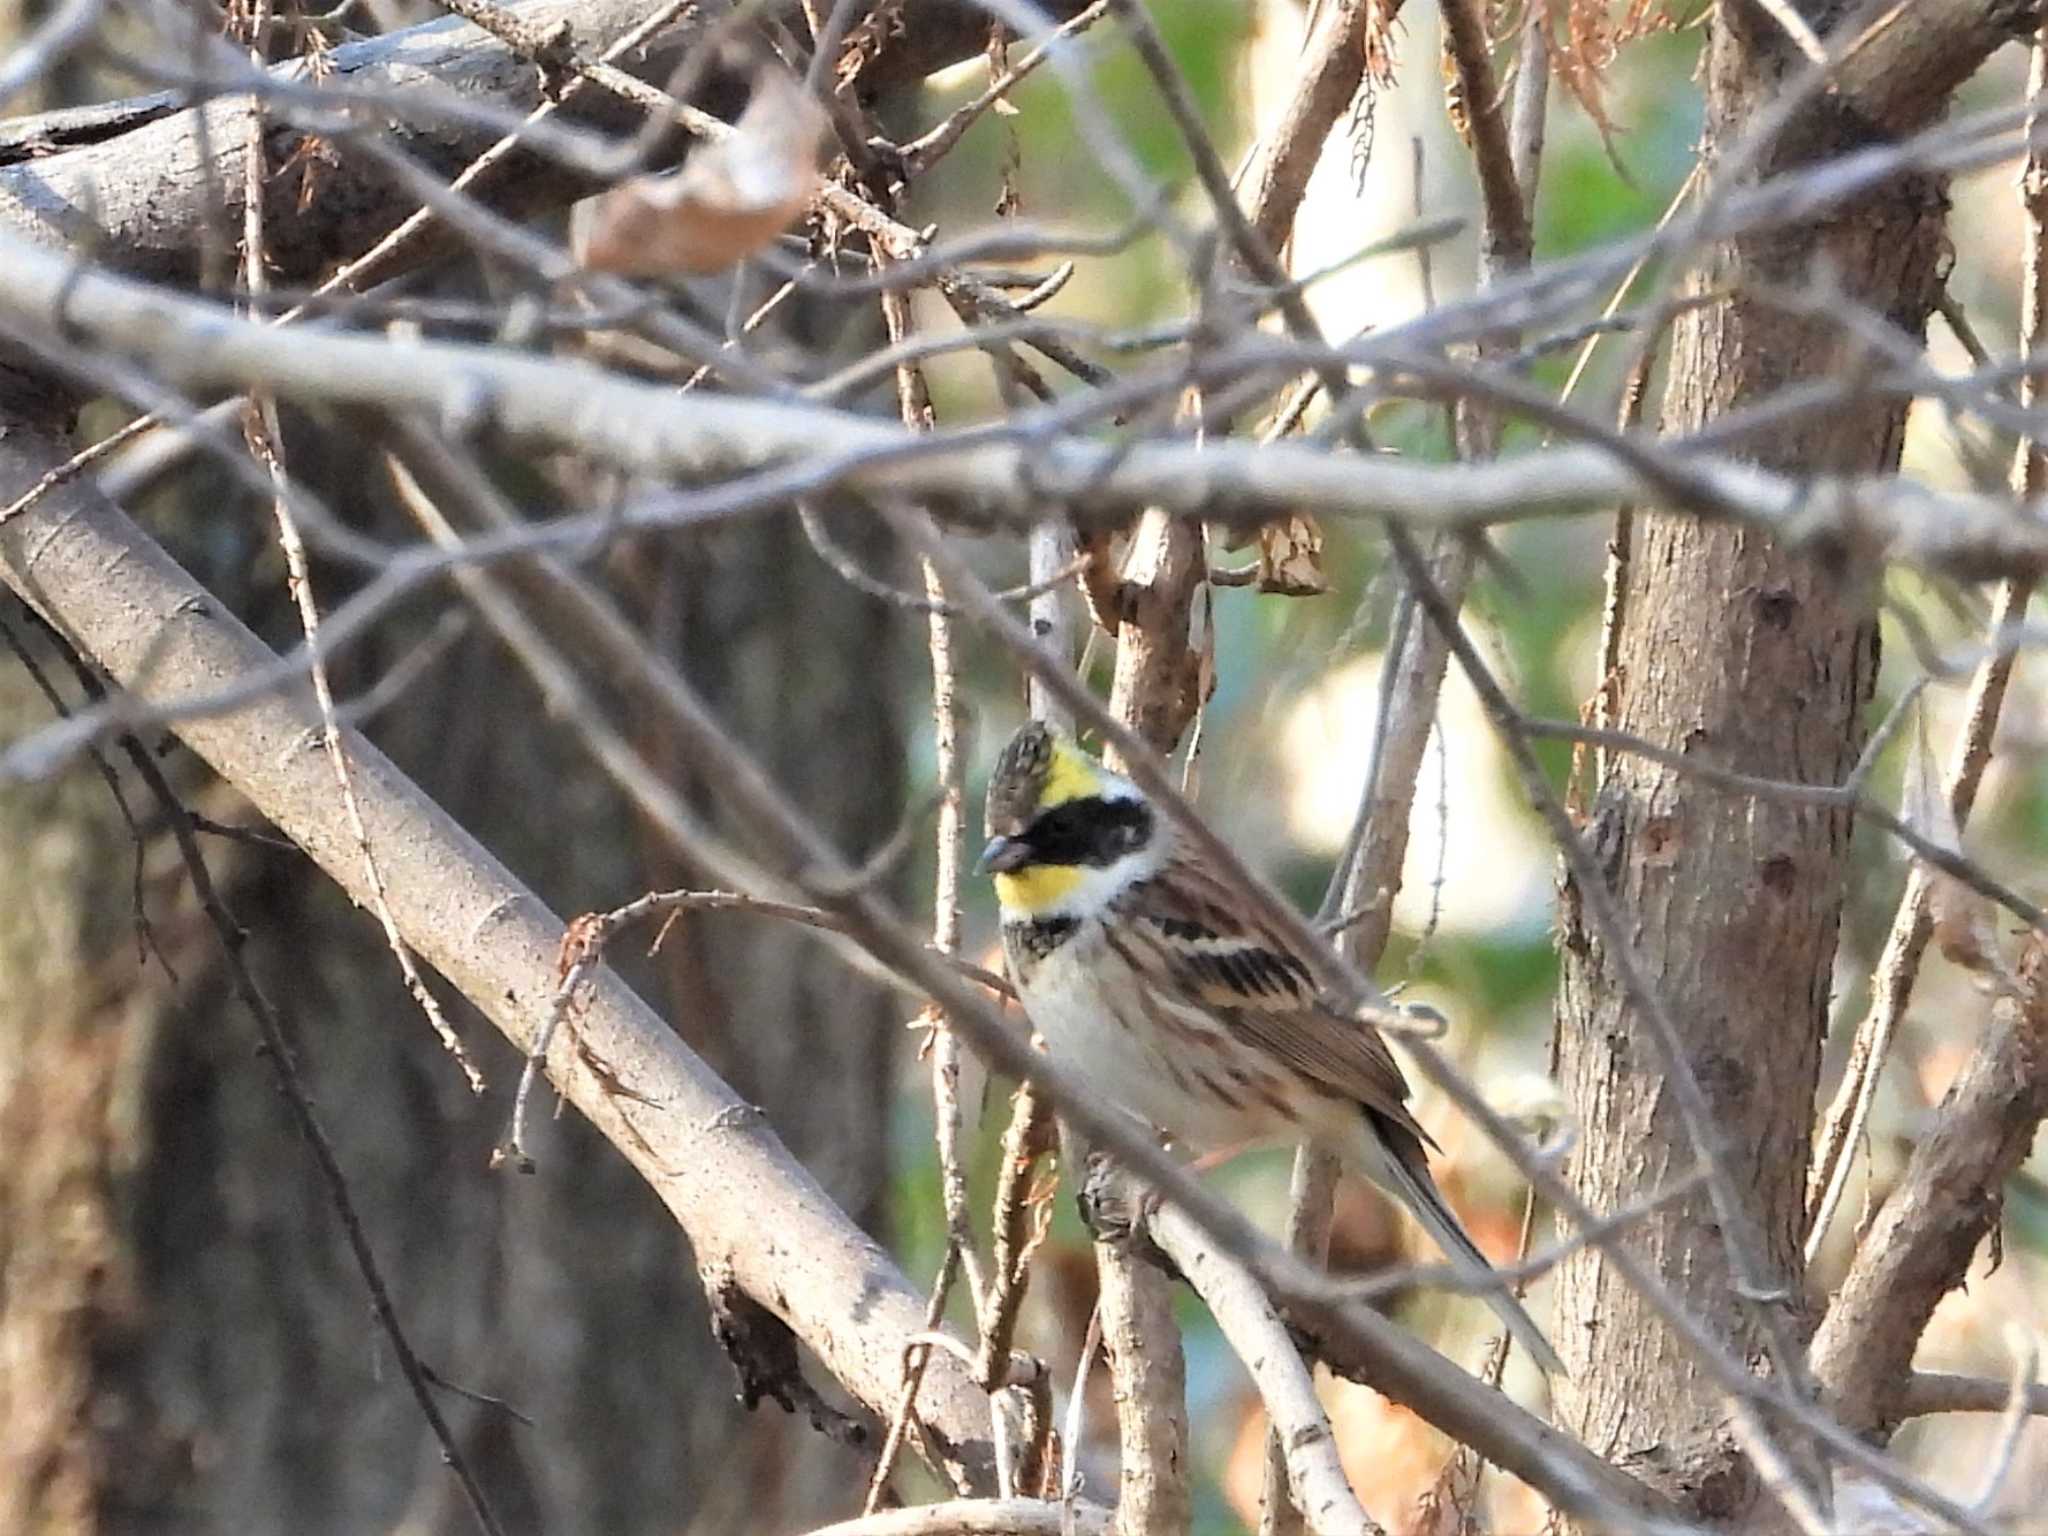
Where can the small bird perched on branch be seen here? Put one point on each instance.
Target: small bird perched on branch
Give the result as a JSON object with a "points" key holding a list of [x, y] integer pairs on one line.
{"points": [[1147, 973]]}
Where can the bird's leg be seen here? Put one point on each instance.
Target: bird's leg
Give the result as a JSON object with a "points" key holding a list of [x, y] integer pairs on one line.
{"points": [[1116, 1207]]}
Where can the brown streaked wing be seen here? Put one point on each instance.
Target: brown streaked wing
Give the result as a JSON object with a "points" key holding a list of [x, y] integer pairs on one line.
{"points": [[1201, 942]]}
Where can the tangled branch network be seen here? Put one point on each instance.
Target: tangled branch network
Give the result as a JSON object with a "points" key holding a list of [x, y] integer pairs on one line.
{"points": [[262, 249]]}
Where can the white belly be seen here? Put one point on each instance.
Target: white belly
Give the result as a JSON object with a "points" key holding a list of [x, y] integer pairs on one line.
{"points": [[1176, 1077]]}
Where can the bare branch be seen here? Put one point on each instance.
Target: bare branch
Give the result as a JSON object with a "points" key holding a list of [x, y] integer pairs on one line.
{"points": [[979, 1517], [1008, 475], [1332, 70], [136, 165], [1506, 213], [1926, 1392], [266, 445], [1286, 1387], [1901, 71]]}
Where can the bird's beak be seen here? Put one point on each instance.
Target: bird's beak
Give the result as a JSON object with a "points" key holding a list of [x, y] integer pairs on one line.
{"points": [[1003, 854]]}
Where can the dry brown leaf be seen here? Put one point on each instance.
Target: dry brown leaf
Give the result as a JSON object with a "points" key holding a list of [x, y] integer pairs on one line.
{"points": [[728, 201], [1102, 582], [1587, 35], [1291, 557]]}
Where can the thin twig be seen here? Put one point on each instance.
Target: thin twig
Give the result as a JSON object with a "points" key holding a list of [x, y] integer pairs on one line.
{"points": [[353, 272], [266, 444], [602, 629], [145, 931], [1797, 28], [915, 1358], [843, 562], [1930, 850], [2012, 1422], [915, 406], [925, 151]]}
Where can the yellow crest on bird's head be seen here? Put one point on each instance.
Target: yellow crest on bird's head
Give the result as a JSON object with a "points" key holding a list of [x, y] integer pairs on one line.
{"points": [[1074, 775]]}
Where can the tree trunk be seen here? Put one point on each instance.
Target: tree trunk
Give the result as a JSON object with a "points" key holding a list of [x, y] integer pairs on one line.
{"points": [[1731, 650], [78, 1008]]}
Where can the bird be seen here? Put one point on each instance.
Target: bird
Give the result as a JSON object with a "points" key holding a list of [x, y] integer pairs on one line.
{"points": [[1158, 981]]}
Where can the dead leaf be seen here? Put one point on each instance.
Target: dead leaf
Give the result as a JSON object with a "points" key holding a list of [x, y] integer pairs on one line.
{"points": [[1102, 583], [1455, 107], [729, 200], [1587, 36], [1291, 557]]}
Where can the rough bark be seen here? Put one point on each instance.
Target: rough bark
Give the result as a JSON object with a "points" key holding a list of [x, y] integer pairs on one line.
{"points": [[1731, 649]]}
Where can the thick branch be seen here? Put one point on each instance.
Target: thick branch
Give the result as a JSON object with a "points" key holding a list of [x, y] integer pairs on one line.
{"points": [[141, 196], [1332, 69], [1901, 78], [1286, 1386], [1921, 1244]]}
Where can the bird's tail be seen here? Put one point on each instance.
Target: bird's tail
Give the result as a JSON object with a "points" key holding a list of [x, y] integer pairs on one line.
{"points": [[1403, 1171]]}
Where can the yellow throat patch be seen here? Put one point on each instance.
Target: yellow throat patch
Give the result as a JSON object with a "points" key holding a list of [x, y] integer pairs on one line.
{"points": [[1036, 887]]}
